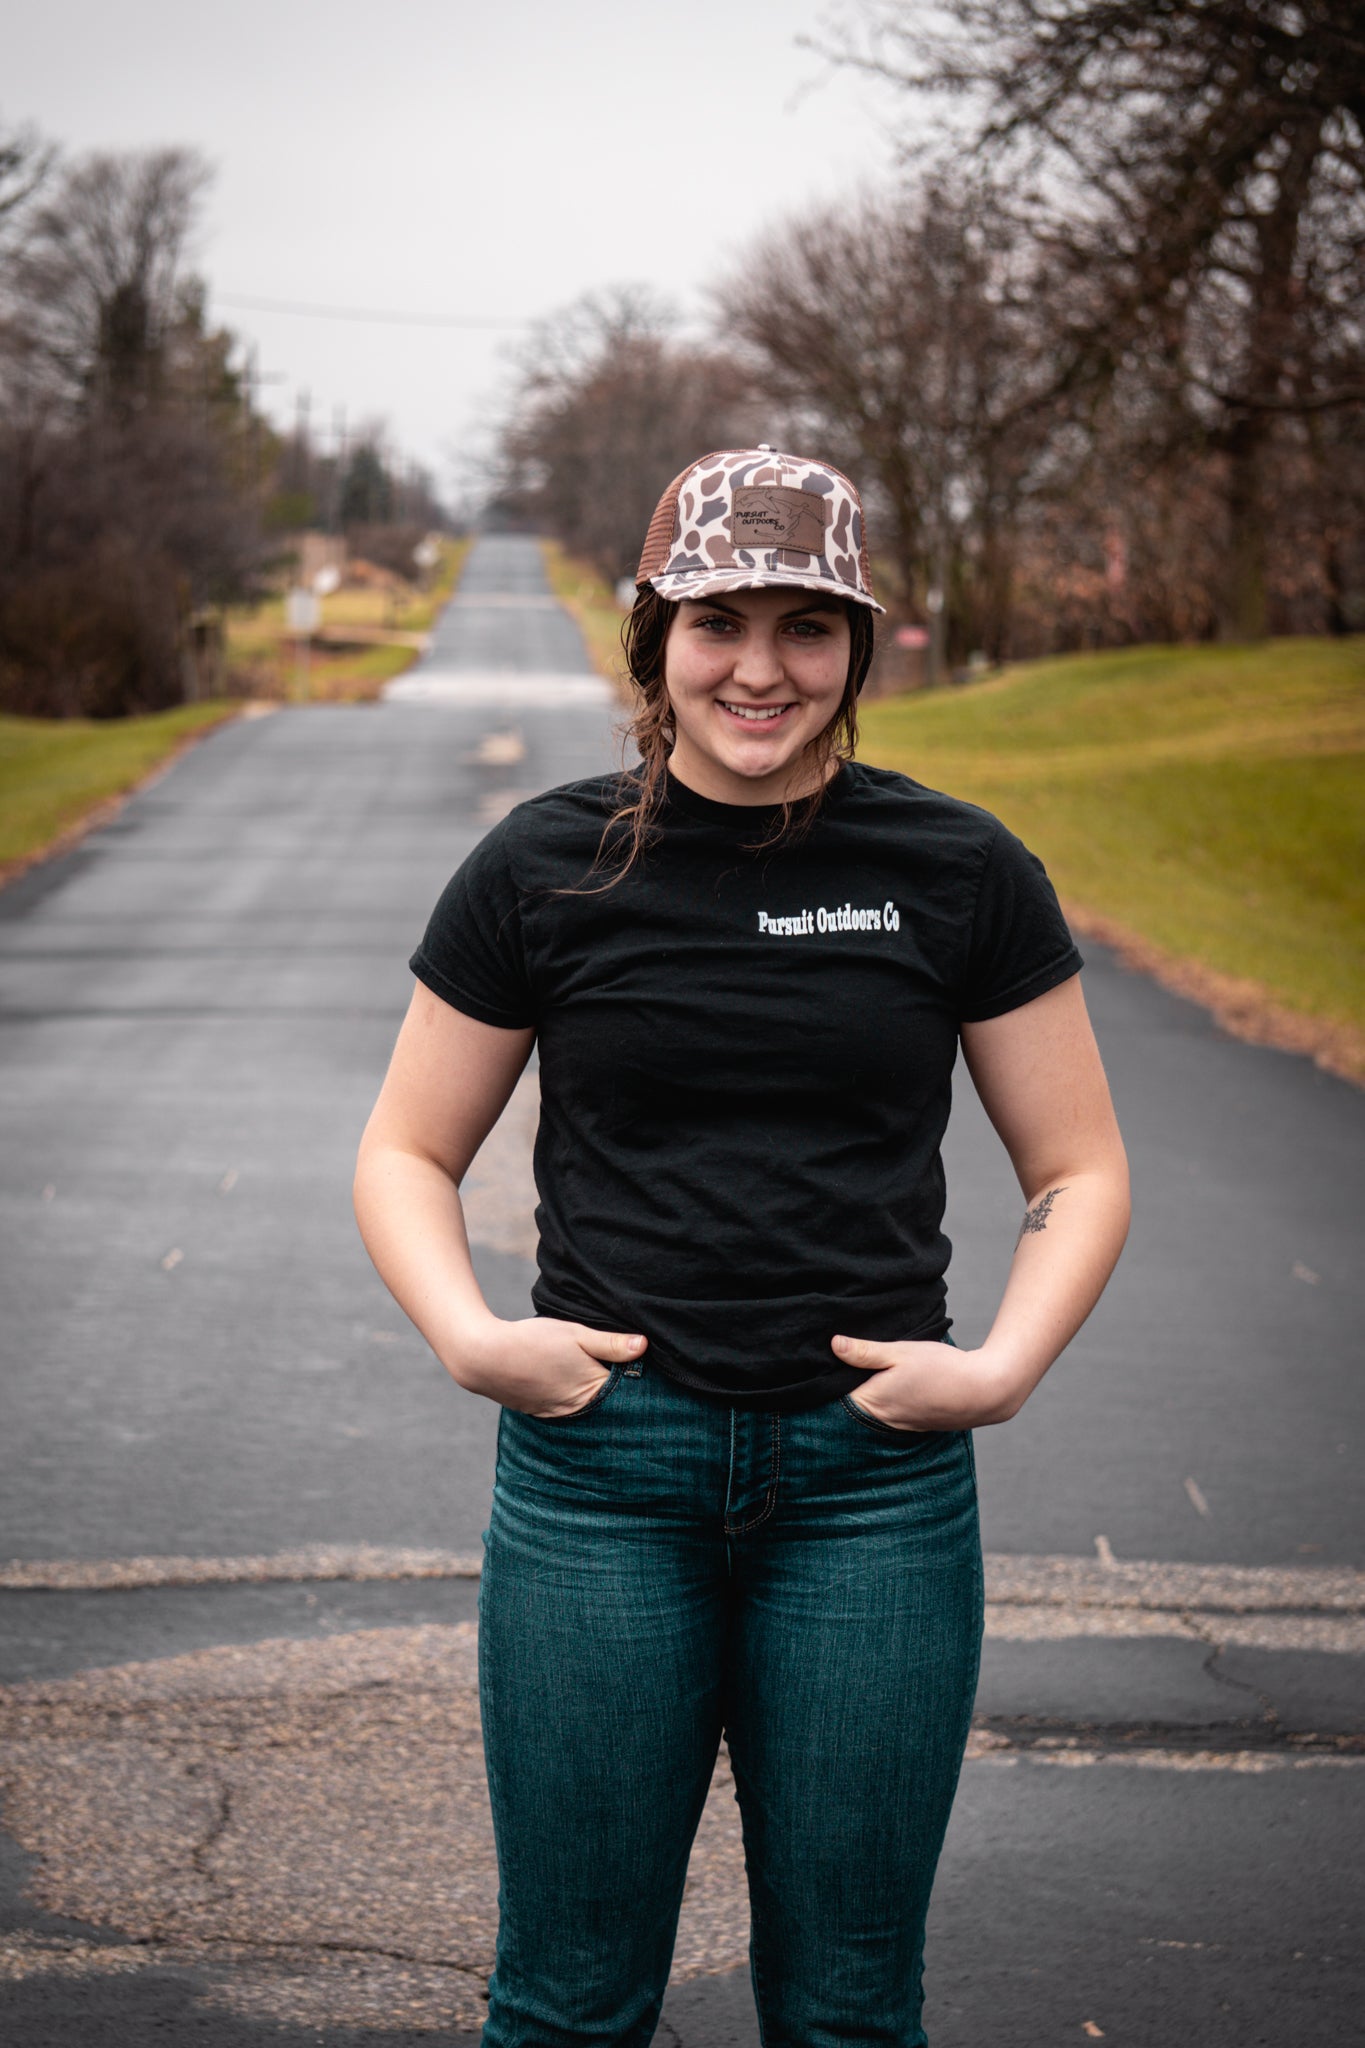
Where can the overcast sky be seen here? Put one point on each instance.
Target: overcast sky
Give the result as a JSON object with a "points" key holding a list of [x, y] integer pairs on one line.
{"points": [[449, 159]]}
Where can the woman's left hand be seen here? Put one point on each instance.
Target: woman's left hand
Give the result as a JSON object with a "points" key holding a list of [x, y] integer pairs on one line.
{"points": [[930, 1385]]}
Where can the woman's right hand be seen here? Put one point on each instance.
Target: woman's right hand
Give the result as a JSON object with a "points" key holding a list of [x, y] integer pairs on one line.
{"points": [[539, 1366]]}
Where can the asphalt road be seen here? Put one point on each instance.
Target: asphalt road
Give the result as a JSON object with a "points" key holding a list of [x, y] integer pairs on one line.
{"points": [[1155, 1833]]}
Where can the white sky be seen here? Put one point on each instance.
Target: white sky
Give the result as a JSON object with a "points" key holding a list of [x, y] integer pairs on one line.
{"points": [[451, 159]]}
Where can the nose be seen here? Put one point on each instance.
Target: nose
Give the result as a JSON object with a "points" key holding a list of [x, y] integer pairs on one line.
{"points": [[758, 660]]}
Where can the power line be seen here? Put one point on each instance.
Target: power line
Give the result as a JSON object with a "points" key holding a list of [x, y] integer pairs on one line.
{"points": [[246, 304]]}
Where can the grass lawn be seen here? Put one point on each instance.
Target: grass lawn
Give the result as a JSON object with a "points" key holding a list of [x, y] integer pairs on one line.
{"points": [[53, 771], [1208, 800], [594, 607], [366, 638]]}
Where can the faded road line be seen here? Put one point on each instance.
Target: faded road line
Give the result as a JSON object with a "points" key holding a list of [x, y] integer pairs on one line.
{"points": [[1014, 1581], [1029, 1599]]}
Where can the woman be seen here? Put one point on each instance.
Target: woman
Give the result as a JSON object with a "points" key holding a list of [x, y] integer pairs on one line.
{"points": [[735, 1489]]}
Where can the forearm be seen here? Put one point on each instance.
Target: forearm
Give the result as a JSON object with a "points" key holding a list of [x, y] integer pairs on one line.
{"points": [[412, 1222], [1069, 1243], [410, 1216], [448, 1082]]}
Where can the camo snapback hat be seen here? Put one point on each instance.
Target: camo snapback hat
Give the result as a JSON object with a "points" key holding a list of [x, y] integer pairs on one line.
{"points": [[751, 519]]}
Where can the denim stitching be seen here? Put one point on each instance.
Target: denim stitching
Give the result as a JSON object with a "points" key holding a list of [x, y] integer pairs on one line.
{"points": [[880, 1428], [771, 1502], [872, 1422], [730, 1476]]}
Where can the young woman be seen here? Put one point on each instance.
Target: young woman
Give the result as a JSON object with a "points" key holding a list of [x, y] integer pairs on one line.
{"points": [[735, 1491]]}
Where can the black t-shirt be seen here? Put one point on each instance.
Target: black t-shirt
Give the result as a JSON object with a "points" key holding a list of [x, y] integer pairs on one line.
{"points": [[745, 1059]]}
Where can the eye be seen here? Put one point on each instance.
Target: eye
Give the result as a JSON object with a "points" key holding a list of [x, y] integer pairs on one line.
{"points": [[808, 629], [713, 622]]}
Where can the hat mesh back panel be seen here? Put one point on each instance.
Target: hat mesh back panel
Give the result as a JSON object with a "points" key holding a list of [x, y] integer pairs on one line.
{"points": [[659, 539], [663, 527]]}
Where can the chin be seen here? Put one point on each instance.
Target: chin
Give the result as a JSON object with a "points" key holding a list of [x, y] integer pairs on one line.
{"points": [[758, 771]]}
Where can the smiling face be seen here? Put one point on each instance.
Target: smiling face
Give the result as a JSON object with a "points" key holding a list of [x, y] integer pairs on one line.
{"points": [[753, 678]]}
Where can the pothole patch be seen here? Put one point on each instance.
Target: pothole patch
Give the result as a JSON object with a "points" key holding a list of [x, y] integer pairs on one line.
{"points": [[304, 1825]]}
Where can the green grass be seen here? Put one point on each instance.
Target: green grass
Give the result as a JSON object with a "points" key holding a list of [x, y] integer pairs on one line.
{"points": [[593, 604], [53, 771], [262, 655], [1210, 800]]}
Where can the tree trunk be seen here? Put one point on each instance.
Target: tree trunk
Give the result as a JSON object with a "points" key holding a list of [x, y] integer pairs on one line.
{"points": [[1242, 611], [1273, 347]]}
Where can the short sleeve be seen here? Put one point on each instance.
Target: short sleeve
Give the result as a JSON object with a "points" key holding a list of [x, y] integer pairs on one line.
{"points": [[472, 953], [1020, 944]]}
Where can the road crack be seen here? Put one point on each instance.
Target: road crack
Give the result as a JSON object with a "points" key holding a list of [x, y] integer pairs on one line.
{"points": [[219, 1823], [1217, 1649], [251, 1944]]}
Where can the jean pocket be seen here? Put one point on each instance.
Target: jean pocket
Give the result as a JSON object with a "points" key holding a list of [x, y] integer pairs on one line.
{"points": [[866, 1420], [608, 1386]]}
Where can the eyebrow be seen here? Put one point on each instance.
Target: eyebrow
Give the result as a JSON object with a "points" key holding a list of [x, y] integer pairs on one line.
{"points": [[818, 603]]}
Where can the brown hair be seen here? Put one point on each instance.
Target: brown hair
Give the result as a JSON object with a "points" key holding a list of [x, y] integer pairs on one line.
{"points": [[644, 634]]}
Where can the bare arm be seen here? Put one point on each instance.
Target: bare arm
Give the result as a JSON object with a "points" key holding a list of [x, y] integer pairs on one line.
{"points": [[1038, 1073], [448, 1083]]}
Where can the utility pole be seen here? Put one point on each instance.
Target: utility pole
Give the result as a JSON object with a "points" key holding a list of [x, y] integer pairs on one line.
{"points": [[338, 468], [253, 421], [303, 450]]}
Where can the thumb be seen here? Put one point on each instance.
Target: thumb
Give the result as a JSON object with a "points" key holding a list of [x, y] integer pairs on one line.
{"points": [[610, 1346], [862, 1352]]}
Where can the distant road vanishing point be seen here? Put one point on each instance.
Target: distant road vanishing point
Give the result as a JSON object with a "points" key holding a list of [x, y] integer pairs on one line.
{"points": [[505, 638]]}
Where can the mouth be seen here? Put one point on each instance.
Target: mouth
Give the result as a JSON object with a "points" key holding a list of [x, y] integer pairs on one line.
{"points": [[764, 716]]}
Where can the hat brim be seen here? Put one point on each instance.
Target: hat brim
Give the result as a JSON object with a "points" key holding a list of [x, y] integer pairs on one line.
{"points": [[698, 583]]}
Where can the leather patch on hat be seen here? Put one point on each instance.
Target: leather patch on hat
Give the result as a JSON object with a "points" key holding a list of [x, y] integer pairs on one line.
{"points": [[774, 516]]}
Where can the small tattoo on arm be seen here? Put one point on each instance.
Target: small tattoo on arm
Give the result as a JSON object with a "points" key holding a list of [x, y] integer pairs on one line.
{"points": [[1036, 1217]]}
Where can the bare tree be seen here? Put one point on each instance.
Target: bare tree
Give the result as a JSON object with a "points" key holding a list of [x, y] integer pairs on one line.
{"points": [[609, 407], [128, 492], [1199, 167], [25, 163], [901, 332], [103, 271]]}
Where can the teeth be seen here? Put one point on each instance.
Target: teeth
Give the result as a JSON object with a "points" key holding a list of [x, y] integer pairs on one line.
{"points": [[745, 711]]}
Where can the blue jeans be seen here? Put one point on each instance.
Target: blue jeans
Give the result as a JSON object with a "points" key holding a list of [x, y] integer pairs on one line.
{"points": [[660, 1570]]}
